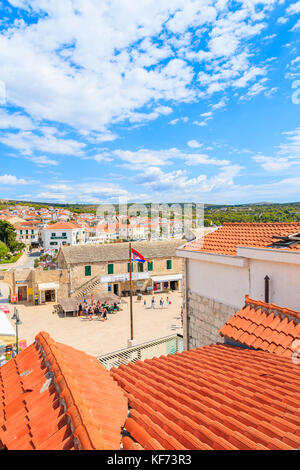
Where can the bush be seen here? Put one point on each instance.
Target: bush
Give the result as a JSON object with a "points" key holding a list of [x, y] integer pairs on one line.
{"points": [[3, 250]]}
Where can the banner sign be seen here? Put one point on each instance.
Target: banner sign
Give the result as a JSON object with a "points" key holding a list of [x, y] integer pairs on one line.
{"points": [[124, 277]]}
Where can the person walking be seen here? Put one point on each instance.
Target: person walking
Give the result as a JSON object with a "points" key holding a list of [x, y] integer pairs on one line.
{"points": [[162, 303], [153, 302], [104, 314], [167, 301], [36, 299]]}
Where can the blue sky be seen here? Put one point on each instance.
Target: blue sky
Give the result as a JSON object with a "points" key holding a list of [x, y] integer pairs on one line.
{"points": [[169, 101]]}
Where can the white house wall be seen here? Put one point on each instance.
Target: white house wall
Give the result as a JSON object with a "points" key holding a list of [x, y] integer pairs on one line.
{"points": [[224, 283], [284, 282]]}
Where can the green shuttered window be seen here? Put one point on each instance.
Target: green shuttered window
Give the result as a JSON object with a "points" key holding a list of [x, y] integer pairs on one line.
{"points": [[110, 268], [88, 270]]}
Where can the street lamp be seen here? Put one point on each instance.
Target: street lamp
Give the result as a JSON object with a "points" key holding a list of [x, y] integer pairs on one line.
{"points": [[17, 323]]}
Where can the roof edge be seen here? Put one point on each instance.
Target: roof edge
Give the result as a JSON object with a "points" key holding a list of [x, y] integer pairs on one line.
{"points": [[87, 436], [285, 311]]}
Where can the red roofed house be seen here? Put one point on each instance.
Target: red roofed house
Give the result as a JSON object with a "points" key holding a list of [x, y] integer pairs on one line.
{"points": [[219, 397], [261, 259], [28, 233]]}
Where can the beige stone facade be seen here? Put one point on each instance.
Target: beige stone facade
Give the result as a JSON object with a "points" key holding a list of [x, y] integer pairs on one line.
{"points": [[98, 270], [106, 268]]}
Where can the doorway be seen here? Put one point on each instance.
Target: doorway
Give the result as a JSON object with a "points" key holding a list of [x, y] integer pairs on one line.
{"points": [[50, 296], [22, 293], [116, 289]]}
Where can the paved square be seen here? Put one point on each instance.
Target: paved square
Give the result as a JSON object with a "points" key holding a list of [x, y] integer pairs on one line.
{"points": [[100, 337]]}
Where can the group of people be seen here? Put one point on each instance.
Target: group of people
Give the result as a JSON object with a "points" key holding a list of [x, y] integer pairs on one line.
{"points": [[161, 302], [98, 309]]}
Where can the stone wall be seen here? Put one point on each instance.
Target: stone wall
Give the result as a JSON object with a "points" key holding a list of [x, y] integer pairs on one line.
{"points": [[205, 317]]}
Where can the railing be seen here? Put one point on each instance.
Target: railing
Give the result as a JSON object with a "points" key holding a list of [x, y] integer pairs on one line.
{"points": [[155, 348], [85, 285]]}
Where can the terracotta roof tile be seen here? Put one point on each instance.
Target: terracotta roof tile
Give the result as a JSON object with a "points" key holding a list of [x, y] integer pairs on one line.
{"points": [[216, 397], [53, 396], [273, 330], [228, 237], [62, 226]]}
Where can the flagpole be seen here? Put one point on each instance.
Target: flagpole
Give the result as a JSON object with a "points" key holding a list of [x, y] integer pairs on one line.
{"points": [[130, 279]]}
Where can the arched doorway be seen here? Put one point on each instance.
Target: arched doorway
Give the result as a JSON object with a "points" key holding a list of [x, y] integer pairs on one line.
{"points": [[4, 293]]}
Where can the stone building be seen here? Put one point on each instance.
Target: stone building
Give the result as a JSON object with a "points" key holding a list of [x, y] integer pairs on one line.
{"points": [[26, 283], [105, 267], [101, 268], [219, 269]]}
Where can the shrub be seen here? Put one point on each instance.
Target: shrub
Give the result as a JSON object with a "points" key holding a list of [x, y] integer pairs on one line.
{"points": [[3, 250]]}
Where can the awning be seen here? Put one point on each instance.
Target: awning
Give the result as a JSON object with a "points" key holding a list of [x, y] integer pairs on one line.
{"points": [[48, 286], [6, 328], [167, 277], [7, 340]]}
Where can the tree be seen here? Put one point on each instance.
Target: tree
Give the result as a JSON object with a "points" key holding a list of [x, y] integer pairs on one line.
{"points": [[8, 236], [3, 250]]}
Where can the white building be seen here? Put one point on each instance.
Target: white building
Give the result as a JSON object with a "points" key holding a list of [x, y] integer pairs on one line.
{"points": [[232, 261], [62, 233]]}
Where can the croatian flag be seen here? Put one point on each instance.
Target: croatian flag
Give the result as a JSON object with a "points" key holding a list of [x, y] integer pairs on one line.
{"points": [[136, 256]]}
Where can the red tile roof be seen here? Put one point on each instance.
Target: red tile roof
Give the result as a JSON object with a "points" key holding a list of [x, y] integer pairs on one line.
{"points": [[264, 326], [62, 226], [227, 238], [215, 397], [53, 397]]}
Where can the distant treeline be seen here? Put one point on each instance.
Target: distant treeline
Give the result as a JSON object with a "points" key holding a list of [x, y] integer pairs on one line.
{"points": [[214, 214]]}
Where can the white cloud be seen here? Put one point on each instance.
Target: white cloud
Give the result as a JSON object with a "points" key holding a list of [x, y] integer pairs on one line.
{"points": [[174, 121], [220, 104], [182, 119], [293, 9], [282, 20], [194, 144], [12, 180], [2, 93], [207, 115], [90, 64], [28, 142], [273, 164], [169, 182], [287, 154], [203, 159], [42, 160], [155, 158], [200, 123], [15, 121], [296, 26]]}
